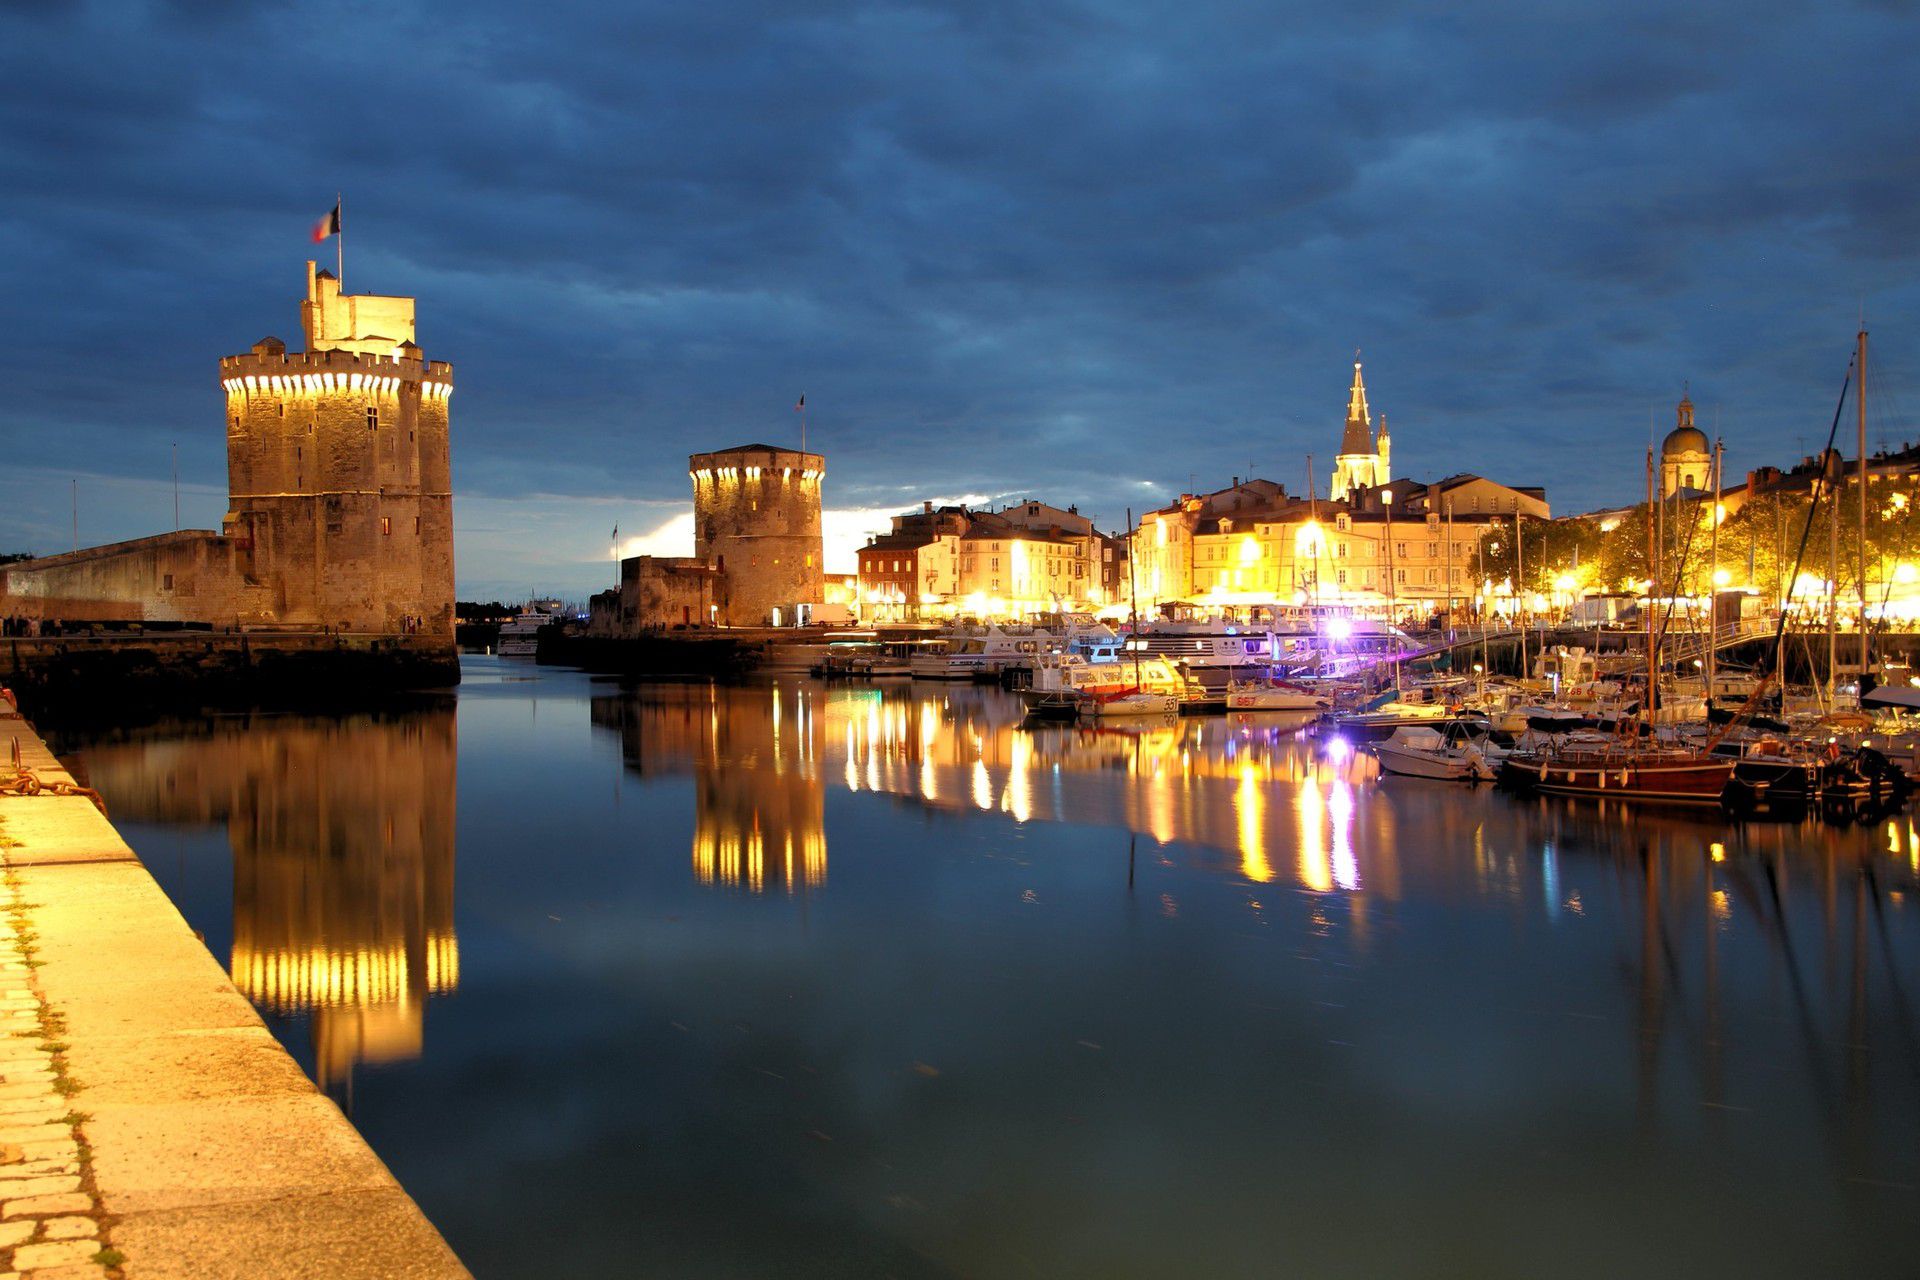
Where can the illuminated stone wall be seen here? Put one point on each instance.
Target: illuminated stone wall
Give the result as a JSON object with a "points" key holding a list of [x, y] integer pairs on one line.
{"points": [[341, 503], [756, 518], [174, 577]]}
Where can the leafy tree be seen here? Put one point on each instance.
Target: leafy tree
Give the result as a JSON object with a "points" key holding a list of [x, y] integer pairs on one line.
{"points": [[1548, 551]]}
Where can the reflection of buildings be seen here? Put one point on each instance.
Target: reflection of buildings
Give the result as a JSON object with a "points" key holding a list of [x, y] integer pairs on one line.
{"points": [[754, 756], [342, 837], [1249, 788]]}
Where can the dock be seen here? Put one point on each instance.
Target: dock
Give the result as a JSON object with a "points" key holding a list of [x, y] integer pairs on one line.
{"points": [[150, 1124]]}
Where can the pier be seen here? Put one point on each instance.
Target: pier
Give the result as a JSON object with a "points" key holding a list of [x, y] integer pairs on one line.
{"points": [[148, 1118]]}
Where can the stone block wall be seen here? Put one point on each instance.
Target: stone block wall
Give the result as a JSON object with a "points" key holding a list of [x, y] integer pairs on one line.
{"points": [[341, 502], [756, 519], [187, 576]]}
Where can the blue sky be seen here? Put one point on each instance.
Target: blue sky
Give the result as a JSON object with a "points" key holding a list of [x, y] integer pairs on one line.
{"points": [[1082, 252]]}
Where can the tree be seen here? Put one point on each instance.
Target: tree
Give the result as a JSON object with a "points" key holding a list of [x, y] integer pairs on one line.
{"points": [[1550, 551]]}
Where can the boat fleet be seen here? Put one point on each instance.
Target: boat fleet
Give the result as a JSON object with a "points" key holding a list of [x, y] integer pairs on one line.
{"points": [[1575, 725]]}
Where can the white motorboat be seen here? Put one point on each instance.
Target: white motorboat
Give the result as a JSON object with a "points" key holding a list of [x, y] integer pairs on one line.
{"points": [[520, 635], [978, 654], [1266, 695], [1454, 752]]}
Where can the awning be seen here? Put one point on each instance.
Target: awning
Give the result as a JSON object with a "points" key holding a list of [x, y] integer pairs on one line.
{"points": [[1903, 696]]}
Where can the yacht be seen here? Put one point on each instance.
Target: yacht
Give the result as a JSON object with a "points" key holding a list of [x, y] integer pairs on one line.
{"points": [[979, 653], [520, 634], [1457, 751]]}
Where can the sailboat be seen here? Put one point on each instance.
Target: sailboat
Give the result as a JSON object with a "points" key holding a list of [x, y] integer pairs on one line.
{"points": [[1137, 700], [1623, 766]]}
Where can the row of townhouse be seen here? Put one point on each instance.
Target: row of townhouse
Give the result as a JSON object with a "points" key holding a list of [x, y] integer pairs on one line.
{"points": [[1025, 559], [1399, 547]]}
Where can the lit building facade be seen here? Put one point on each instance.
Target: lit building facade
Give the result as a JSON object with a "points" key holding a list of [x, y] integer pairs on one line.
{"points": [[1380, 546], [1026, 559]]}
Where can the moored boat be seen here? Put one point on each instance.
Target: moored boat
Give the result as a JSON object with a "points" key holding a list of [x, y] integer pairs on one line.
{"points": [[1626, 771], [1456, 751]]}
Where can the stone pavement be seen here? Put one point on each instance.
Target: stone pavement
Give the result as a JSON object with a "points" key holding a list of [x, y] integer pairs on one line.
{"points": [[150, 1125]]}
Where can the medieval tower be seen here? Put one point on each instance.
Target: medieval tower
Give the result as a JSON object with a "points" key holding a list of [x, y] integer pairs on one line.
{"points": [[340, 507], [756, 519]]}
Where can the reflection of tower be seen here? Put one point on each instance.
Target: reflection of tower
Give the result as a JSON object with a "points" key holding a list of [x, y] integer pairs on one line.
{"points": [[759, 817], [343, 884]]}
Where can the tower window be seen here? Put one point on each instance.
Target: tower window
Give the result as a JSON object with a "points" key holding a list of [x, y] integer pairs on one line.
{"points": [[373, 418], [386, 524], [283, 408], [416, 524], [166, 582]]}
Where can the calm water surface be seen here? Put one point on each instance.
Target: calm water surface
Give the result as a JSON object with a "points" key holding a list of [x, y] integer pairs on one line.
{"points": [[805, 981]]}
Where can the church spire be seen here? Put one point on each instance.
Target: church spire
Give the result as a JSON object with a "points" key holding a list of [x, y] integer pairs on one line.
{"points": [[1358, 437]]}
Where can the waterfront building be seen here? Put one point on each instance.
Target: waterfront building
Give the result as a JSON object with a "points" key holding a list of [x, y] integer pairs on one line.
{"points": [[340, 508], [1379, 546], [1024, 559]]}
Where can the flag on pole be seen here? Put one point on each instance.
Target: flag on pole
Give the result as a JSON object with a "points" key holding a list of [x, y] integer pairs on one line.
{"points": [[327, 226], [801, 405]]}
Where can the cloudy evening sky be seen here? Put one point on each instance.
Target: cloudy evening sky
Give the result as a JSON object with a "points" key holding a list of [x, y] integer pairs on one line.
{"points": [[1080, 252]]}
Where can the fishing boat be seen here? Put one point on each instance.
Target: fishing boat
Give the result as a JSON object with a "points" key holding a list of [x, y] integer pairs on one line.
{"points": [[1456, 751], [1620, 770]]}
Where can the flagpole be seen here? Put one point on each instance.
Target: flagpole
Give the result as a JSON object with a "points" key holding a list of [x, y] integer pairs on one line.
{"points": [[340, 241], [803, 424]]}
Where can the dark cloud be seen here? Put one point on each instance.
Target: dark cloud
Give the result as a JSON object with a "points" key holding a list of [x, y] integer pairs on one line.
{"points": [[1003, 247]]}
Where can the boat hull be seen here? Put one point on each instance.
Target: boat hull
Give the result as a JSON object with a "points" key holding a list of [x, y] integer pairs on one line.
{"points": [[1691, 782], [1420, 764]]}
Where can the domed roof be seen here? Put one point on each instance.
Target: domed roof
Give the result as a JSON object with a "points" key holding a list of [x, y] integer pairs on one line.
{"points": [[1685, 437], [1684, 440]]}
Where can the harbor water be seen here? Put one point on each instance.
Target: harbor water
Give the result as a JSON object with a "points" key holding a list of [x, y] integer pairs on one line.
{"points": [[802, 980]]}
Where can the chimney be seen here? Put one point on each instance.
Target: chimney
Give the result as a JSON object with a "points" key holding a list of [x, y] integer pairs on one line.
{"points": [[927, 507]]}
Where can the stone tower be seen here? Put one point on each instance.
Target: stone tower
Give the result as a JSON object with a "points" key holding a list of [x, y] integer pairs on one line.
{"points": [[340, 505], [756, 518], [1361, 463]]}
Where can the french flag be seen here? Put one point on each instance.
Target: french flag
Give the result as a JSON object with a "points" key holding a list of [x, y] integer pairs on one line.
{"points": [[327, 226]]}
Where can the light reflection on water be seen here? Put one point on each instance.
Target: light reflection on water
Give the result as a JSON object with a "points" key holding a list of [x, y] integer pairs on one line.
{"points": [[787, 979]]}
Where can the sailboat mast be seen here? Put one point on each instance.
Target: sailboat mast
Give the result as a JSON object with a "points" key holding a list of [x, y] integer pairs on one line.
{"points": [[1713, 576], [1831, 465], [1860, 400], [1133, 604], [1313, 518], [1653, 585], [1520, 590]]}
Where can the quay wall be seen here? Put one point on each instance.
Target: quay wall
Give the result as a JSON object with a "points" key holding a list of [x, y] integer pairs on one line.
{"points": [[127, 677], [164, 1131]]}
